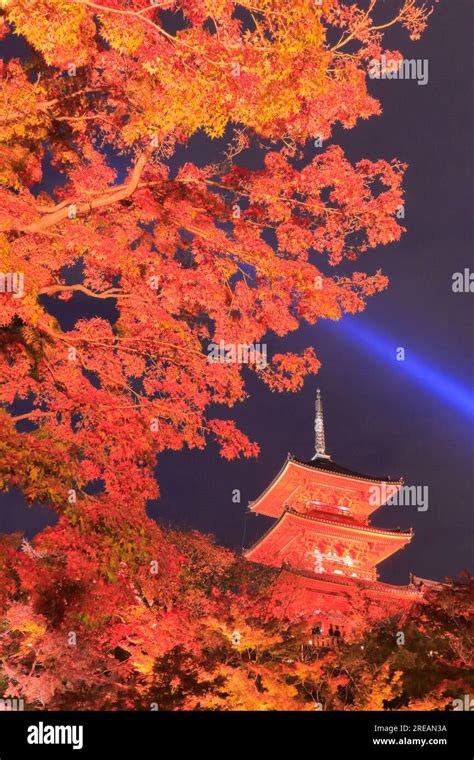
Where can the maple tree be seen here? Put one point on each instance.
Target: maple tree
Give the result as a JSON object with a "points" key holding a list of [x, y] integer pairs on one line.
{"points": [[204, 636], [160, 258], [203, 254]]}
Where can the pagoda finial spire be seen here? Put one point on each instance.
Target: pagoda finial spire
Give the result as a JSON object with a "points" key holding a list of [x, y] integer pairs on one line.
{"points": [[320, 442]]}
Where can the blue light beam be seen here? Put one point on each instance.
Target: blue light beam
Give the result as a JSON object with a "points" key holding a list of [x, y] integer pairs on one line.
{"points": [[430, 377]]}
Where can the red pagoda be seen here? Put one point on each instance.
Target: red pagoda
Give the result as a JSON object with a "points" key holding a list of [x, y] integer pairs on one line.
{"points": [[324, 543]]}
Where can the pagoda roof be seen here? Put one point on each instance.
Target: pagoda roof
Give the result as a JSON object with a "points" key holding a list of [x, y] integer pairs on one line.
{"points": [[330, 475], [353, 526], [427, 582], [291, 525], [376, 586], [327, 465]]}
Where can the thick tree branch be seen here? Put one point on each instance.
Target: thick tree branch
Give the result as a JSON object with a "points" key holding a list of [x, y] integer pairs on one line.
{"points": [[59, 213], [111, 293]]}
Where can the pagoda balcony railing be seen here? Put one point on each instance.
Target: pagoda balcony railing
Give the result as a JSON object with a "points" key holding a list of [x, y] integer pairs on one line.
{"points": [[339, 569], [334, 569], [324, 641]]}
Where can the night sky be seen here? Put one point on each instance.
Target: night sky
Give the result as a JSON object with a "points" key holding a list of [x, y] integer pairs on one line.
{"points": [[382, 416]]}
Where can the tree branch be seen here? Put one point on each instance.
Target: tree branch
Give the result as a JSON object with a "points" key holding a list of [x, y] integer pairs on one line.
{"points": [[58, 213], [111, 293]]}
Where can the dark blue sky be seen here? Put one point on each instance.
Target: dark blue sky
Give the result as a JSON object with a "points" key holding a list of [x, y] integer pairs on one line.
{"points": [[382, 416]]}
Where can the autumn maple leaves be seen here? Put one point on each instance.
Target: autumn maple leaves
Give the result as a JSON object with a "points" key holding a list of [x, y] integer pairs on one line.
{"points": [[177, 268]]}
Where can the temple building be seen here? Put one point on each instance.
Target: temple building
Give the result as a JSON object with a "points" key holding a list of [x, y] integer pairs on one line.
{"points": [[324, 543]]}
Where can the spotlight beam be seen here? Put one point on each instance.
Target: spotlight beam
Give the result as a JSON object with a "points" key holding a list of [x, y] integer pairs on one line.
{"points": [[432, 378]]}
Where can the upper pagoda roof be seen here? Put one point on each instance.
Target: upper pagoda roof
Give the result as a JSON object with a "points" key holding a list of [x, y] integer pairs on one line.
{"points": [[327, 465], [352, 490]]}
